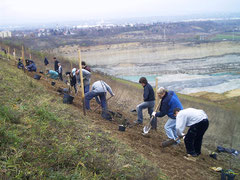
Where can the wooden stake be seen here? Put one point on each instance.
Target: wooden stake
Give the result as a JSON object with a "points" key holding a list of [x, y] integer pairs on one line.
{"points": [[30, 56], [156, 87], [8, 52], [81, 78], [23, 59], [14, 56]]}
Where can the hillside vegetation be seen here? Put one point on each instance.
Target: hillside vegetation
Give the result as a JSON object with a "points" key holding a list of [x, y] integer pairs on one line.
{"points": [[42, 138]]}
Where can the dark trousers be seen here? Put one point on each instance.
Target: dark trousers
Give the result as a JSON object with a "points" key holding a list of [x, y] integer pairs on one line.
{"points": [[60, 76], [194, 136]]}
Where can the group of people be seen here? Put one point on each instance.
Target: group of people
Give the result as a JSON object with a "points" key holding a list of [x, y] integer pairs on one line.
{"points": [[178, 118], [99, 88], [170, 105], [57, 72], [30, 65]]}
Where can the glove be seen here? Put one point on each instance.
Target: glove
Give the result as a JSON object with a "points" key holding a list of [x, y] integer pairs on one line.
{"points": [[154, 114], [113, 94], [182, 136]]}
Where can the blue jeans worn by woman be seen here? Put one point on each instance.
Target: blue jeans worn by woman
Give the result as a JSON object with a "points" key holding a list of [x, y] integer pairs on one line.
{"points": [[144, 105], [170, 129]]}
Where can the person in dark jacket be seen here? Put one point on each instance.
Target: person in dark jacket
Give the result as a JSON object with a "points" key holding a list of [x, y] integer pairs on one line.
{"points": [[55, 64], [84, 66], [73, 81], [148, 98], [46, 61], [169, 102], [31, 67], [20, 64]]}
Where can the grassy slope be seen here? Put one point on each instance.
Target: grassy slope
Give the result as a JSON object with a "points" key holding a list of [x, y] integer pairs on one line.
{"points": [[41, 138]]}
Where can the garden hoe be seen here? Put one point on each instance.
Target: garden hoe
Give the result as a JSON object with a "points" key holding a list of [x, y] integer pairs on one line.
{"points": [[147, 128]]}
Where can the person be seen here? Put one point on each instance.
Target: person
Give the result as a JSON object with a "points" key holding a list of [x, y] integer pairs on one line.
{"points": [[28, 61], [46, 61], [60, 71], [148, 98], [84, 66], [198, 122], [169, 101], [55, 64], [20, 64], [86, 79], [73, 81], [52, 74], [31, 66], [99, 90]]}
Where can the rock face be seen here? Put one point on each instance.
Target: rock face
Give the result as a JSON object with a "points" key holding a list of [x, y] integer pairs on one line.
{"points": [[132, 53], [183, 67]]}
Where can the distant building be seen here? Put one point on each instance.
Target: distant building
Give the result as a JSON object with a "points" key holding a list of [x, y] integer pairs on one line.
{"points": [[5, 34]]}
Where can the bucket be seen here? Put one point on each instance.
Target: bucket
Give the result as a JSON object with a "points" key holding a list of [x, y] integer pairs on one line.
{"points": [[121, 128], [36, 76], [53, 83], [67, 99], [227, 175]]}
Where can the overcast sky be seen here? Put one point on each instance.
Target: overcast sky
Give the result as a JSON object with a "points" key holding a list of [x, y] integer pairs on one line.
{"points": [[12, 11]]}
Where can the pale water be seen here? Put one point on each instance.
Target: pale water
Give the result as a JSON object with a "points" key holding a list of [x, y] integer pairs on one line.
{"points": [[212, 74]]}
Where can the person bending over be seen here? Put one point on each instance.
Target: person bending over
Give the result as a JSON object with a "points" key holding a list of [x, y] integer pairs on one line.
{"points": [[197, 120], [169, 102]]}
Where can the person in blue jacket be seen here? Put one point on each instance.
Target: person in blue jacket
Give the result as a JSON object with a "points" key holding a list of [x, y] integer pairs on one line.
{"points": [[52, 74], [31, 67], [169, 102], [148, 98]]}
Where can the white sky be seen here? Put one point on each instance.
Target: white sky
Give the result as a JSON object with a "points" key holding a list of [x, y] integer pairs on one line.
{"points": [[57, 10]]}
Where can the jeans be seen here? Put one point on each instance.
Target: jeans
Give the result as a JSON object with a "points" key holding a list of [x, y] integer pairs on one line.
{"points": [[144, 105], [86, 89], [92, 94], [194, 136], [170, 129]]}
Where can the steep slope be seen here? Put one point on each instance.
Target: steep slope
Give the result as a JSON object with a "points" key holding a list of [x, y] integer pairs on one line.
{"points": [[48, 139]]}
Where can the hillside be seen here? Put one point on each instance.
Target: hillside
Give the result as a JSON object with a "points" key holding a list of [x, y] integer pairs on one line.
{"points": [[42, 138]]}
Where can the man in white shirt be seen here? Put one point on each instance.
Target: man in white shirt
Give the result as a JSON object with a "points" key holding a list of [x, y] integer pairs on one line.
{"points": [[197, 120]]}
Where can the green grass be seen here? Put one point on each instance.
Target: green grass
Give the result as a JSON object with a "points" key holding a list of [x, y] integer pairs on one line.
{"points": [[41, 138], [226, 37]]}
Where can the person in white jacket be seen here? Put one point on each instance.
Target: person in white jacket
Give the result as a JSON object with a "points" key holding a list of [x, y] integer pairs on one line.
{"points": [[198, 122]]}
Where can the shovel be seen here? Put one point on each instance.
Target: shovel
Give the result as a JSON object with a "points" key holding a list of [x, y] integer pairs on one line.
{"points": [[99, 105], [147, 128], [170, 142]]}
